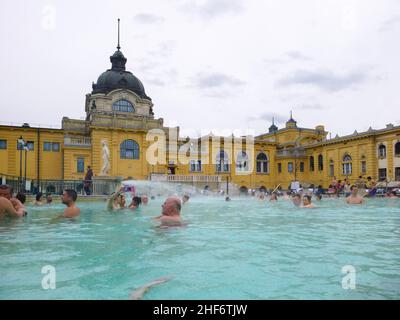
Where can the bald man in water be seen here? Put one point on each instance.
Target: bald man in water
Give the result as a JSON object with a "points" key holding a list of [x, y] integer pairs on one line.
{"points": [[171, 212]]}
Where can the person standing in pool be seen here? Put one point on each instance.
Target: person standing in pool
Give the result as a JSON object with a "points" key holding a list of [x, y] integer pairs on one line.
{"points": [[39, 199], [185, 198], [273, 197], [136, 201], [354, 198], [296, 199], [145, 200], [307, 202], [171, 213], [18, 209], [69, 198]]}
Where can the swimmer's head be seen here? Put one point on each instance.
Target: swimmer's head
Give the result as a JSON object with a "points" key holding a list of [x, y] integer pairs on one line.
{"points": [[171, 206], [39, 196], [145, 199], [69, 196], [354, 190], [296, 199], [185, 198], [306, 200], [6, 191]]}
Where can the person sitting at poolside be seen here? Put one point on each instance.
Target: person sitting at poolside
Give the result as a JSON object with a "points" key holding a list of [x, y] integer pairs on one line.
{"points": [[136, 201], [185, 198], [391, 195], [296, 199], [39, 200], [318, 196], [68, 198], [273, 197], [354, 198], [18, 209], [307, 202], [171, 213]]}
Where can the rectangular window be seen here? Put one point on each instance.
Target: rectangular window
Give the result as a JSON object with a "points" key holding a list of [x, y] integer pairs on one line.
{"points": [[382, 174], [80, 165], [280, 167], [3, 144], [397, 173], [301, 166], [30, 145], [55, 146], [290, 167], [195, 165], [331, 170], [46, 146], [363, 167], [347, 168]]}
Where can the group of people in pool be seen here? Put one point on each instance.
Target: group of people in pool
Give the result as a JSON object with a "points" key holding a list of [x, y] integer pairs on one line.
{"points": [[14, 206], [171, 208], [304, 199]]}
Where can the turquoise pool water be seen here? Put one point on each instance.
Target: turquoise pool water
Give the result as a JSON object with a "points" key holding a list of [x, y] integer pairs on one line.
{"points": [[243, 249]]}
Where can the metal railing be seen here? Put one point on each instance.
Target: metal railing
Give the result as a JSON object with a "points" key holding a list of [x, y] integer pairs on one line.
{"points": [[295, 153], [78, 141], [185, 178]]}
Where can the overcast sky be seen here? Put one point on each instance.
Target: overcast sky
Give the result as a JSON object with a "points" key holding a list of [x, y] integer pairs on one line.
{"points": [[208, 64]]}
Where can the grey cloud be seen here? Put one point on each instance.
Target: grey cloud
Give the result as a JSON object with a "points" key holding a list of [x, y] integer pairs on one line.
{"points": [[297, 55], [216, 80], [267, 116], [323, 79], [389, 23], [312, 106], [212, 8], [156, 82], [146, 18]]}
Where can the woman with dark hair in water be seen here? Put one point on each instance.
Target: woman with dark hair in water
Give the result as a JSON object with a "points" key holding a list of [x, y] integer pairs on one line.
{"points": [[136, 201]]}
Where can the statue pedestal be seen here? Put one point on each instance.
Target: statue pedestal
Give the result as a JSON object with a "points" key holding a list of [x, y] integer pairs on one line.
{"points": [[105, 185]]}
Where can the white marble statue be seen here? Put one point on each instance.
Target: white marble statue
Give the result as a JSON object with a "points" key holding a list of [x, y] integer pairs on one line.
{"points": [[106, 159]]}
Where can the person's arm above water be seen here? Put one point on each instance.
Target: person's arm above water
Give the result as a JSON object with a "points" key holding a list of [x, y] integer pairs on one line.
{"points": [[18, 206], [110, 204], [7, 208]]}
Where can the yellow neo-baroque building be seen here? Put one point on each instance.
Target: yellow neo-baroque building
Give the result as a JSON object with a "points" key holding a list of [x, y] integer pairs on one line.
{"points": [[120, 115]]}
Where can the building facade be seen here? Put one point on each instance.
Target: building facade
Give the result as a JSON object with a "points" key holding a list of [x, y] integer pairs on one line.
{"points": [[119, 115]]}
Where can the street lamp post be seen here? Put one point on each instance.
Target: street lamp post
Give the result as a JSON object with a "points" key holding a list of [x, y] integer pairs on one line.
{"points": [[21, 145], [26, 155]]}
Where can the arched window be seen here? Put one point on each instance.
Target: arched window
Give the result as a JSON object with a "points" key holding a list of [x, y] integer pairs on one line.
{"points": [[397, 149], [123, 106], [242, 161], [262, 163], [222, 162], [311, 163], [346, 165], [129, 149], [382, 151], [320, 163]]}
